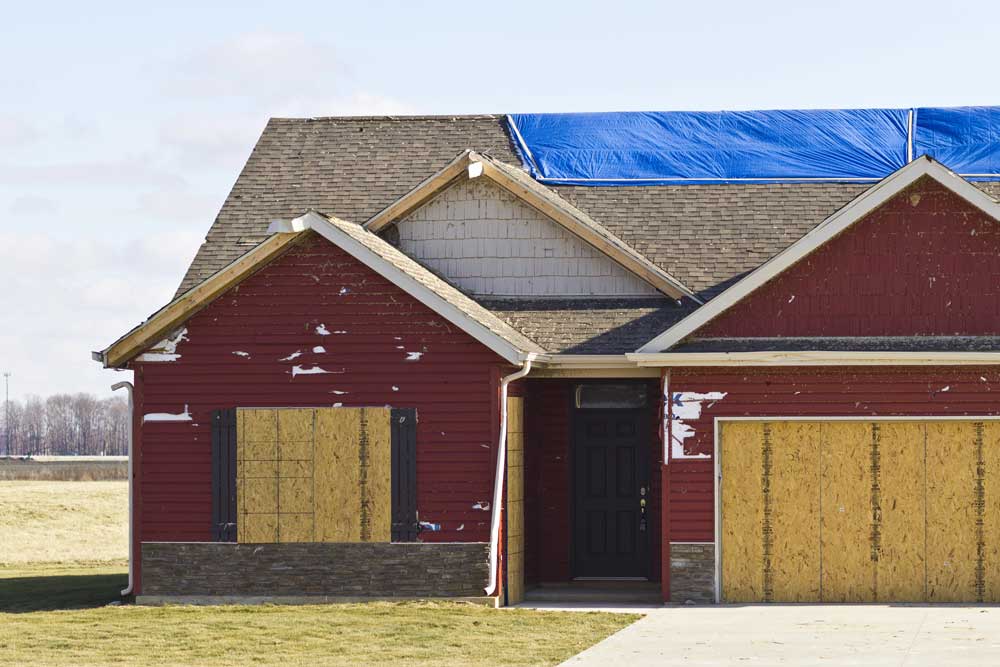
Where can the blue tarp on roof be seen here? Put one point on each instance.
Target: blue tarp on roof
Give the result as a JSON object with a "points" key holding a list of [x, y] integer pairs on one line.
{"points": [[964, 139], [681, 147]]}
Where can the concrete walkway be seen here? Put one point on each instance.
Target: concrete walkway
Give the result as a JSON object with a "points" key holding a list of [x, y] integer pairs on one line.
{"points": [[941, 636]]}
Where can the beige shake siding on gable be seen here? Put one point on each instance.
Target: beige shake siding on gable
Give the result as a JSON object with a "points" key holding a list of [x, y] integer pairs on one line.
{"points": [[489, 243]]}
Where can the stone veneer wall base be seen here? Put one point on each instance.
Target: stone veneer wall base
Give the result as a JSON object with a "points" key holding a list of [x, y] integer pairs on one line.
{"points": [[335, 571], [692, 573], [216, 600]]}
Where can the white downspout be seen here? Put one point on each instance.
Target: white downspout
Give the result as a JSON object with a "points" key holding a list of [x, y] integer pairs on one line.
{"points": [[501, 469], [131, 418]]}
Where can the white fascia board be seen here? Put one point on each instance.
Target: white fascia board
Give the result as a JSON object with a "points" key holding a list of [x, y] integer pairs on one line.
{"points": [[414, 288], [695, 359], [585, 361], [826, 230]]}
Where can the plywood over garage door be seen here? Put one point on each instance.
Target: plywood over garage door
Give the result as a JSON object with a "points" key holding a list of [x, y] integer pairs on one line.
{"points": [[860, 511]]}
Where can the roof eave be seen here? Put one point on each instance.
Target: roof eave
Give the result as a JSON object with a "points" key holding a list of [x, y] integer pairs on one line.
{"points": [[187, 304]]}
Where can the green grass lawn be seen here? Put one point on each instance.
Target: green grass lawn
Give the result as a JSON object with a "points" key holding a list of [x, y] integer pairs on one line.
{"points": [[61, 616], [62, 613]]}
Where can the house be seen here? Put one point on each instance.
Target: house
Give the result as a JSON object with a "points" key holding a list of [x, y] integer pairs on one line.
{"points": [[745, 357]]}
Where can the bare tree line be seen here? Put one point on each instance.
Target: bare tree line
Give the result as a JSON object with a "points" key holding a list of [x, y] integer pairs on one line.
{"points": [[65, 424]]}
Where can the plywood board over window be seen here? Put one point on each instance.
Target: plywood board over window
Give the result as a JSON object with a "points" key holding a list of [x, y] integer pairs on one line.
{"points": [[313, 475]]}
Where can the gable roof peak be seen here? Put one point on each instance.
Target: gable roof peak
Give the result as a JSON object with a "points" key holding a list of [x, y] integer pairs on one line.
{"points": [[516, 181], [834, 225]]}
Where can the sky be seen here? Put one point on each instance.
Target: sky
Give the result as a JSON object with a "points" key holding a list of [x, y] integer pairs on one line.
{"points": [[123, 126]]}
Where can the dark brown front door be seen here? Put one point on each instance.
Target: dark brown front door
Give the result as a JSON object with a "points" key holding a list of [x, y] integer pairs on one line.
{"points": [[611, 482]]}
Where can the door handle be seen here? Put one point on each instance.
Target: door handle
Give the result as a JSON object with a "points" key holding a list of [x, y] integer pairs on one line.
{"points": [[642, 509]]}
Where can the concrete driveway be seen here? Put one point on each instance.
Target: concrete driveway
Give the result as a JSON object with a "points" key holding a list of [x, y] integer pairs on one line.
{"points": [[940, 636]]}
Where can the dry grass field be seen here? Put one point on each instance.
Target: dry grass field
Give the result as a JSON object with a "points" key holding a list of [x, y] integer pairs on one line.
{"points": [[63, 546], [63, 522], [65, 468]]}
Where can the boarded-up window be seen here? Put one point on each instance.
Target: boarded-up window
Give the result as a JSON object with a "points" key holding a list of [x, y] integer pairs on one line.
{"points": [[314, 475]]}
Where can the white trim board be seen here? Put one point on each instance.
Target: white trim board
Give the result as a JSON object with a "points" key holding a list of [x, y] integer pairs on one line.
{"points": [[717, 461], [806, 358], [861, 206]]}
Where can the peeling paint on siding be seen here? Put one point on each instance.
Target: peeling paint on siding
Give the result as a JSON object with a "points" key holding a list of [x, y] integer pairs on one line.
{"points": [[166, 349], [684, 407], [167, 416]]}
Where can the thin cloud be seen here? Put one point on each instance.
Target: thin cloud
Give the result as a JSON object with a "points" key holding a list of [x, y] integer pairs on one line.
{"points": [[33, 206], [124, 172], [65, 298], [16, 131], [262, 66]]}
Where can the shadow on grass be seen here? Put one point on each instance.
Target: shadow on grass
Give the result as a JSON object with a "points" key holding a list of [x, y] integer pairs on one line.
{"points": [[41, 592]]}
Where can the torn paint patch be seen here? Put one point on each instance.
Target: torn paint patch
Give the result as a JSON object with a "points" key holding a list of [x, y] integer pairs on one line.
{"points": [[312, 370], [461, 527], [427, 525], [343, 291], [687, 405], [481, 505], [168, 416], [321, 330], [337, 392], [319, 349], [241, 353], [294, 355], [413, 356], [395, 388], [166, 349]]}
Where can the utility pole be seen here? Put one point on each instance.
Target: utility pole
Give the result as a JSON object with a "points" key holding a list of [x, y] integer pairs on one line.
{"points": [[6, 404]]}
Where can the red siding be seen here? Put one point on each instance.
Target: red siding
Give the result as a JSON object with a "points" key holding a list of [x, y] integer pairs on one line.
{"points": [[373, 326], [809, 392], [547, 480], [924, 263]]}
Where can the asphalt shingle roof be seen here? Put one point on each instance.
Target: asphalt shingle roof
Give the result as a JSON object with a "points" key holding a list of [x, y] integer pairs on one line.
{"points": [[602, 326], [707, 236], [350, 168]]}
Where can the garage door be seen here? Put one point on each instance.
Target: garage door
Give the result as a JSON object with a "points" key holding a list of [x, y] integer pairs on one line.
{"points": [[860, 511]]}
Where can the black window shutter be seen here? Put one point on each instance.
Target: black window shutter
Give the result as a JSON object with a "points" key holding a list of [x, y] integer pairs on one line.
{"points": [[224, 475], [404, 475]]}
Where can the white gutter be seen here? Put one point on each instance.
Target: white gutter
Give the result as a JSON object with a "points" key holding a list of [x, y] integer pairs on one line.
{"points": [[131, 417], [501, 469], [812, 358], [584, 361]]}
